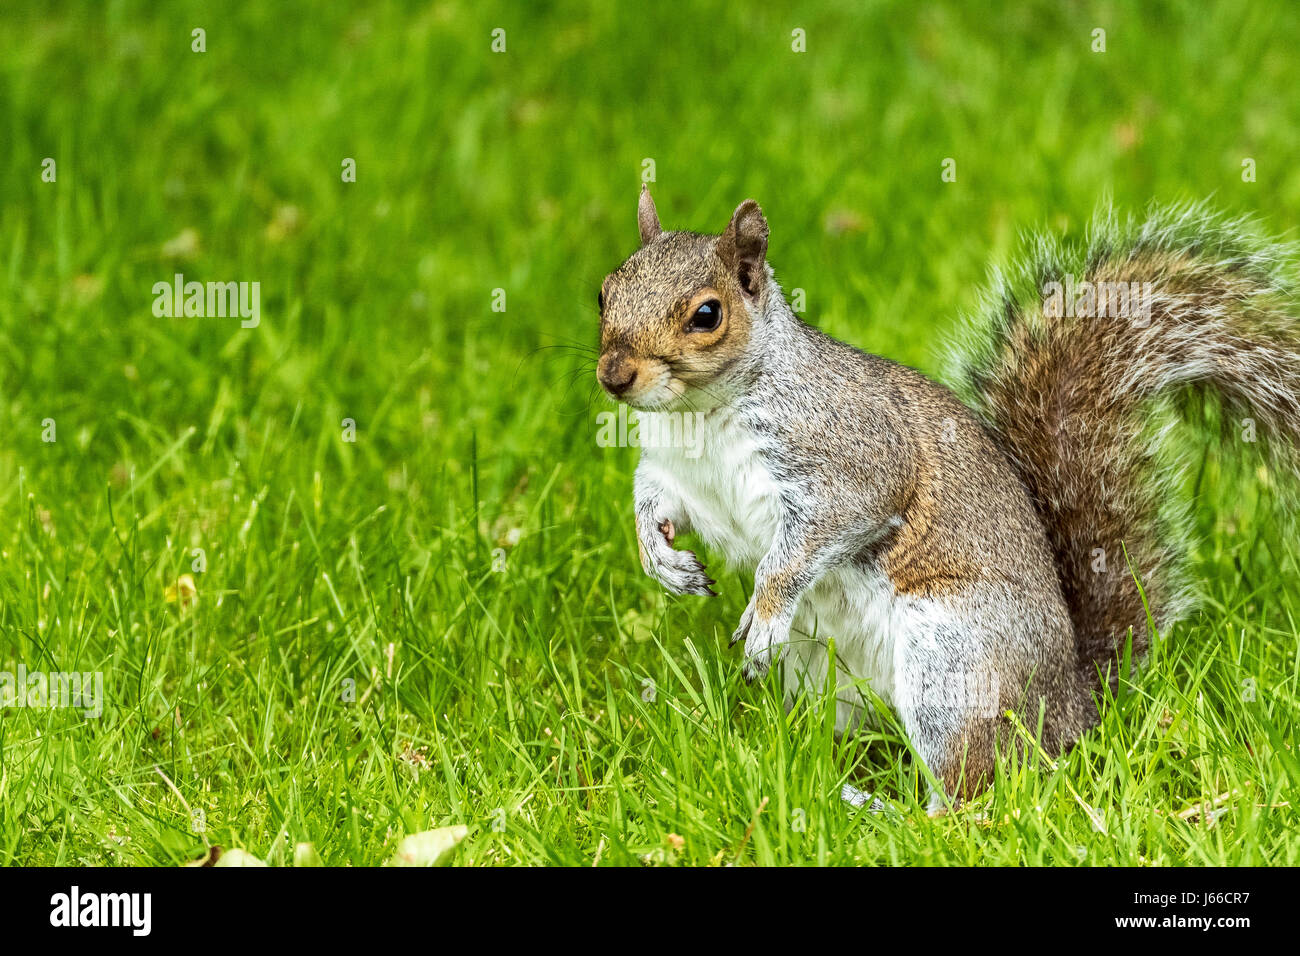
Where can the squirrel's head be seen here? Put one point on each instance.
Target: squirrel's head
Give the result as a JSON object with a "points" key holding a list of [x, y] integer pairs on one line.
{"points": [[676, 317]]}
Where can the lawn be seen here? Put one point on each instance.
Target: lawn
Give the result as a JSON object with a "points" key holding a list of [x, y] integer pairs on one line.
{"points": [[361, 569]]}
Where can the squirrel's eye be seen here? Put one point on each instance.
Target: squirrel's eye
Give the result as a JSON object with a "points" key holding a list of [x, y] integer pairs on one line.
{"points": [[707, 317]]}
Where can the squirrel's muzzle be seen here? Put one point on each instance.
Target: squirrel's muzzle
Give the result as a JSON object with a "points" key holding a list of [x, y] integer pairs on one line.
{"points": [[616, 373]]}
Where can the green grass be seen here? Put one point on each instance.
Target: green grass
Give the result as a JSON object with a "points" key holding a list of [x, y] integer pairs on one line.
{"points": [[515, 700]]}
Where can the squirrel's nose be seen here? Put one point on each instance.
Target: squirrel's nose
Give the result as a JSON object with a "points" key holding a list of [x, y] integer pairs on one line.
{"points": [[616, 376]]}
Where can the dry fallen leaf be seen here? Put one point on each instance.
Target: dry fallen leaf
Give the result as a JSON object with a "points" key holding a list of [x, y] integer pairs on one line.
{"points": [[183, 593], [209, 857], [415, 756]]}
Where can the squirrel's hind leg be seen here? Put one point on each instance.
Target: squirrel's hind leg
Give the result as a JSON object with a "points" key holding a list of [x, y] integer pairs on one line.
{"points": [[946, 696], [962, 659]]}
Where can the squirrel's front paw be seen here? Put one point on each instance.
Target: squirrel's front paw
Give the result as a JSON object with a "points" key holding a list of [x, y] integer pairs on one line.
{"points": [[683, 573], [763, 644], [679, 571]]}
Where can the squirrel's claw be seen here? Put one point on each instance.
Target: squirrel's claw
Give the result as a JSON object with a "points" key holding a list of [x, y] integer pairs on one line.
{"points": [[742, 629], [753, 670], [680, 572], [764, 643]]}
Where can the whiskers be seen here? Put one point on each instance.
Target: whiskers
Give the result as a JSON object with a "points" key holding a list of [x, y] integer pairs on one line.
{"points": [[720, 401], [577, 359], [574, 361]]}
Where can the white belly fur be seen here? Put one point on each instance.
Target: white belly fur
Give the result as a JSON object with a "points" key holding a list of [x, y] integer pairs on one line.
{"points": [[732, 503]]}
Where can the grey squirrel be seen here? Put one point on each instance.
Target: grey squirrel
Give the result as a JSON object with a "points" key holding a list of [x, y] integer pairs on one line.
{"points": [[949, 549]]}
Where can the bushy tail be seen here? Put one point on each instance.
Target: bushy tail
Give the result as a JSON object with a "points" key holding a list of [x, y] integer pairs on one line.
{"points": [[1072, 394]]}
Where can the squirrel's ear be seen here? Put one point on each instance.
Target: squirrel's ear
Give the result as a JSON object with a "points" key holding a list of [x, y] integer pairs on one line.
{"points": [[743, 246], [647, 217]]}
